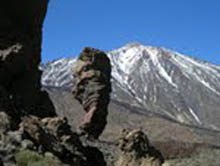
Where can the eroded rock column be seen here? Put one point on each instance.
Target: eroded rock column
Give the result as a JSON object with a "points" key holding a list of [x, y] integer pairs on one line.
{"points": [[92, 90]]}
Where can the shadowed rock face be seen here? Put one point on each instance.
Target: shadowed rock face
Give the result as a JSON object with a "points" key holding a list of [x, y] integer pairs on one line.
{"points": [[92, 90], [136, 150], [20, 54], [27, 116]]}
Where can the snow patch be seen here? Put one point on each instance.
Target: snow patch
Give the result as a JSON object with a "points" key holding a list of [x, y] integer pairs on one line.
{"points": [[195, 116], [154, 57]]}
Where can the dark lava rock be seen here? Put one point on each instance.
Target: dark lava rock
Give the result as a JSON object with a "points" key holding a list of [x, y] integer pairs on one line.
{"points": [[20, 54]]}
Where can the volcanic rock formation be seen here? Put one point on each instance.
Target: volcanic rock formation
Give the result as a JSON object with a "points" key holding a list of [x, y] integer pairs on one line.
{"points": [[136, 150], [30, 131], [54, 135], [43, 136], [92, 90], [28, 126], [20, 55]]}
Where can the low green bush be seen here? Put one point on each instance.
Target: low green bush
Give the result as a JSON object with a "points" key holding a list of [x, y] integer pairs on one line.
{"points": [[31, 158]]}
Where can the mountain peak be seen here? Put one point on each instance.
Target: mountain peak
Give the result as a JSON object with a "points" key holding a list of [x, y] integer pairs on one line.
{"points": [[157, 79], [134, 54], [145, 51]]}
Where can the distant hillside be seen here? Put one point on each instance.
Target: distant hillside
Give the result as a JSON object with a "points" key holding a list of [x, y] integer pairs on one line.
{"points": [[156, 80]]}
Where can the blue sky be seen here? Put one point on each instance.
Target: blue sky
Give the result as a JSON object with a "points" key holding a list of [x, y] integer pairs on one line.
{"points": [[191, 27]]}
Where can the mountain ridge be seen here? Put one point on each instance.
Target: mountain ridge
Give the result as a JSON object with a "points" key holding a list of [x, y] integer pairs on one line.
{"points": [[158, 80]]}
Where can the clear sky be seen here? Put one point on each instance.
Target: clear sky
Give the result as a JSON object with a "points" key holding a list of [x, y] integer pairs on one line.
{"points": [[191, 27]]}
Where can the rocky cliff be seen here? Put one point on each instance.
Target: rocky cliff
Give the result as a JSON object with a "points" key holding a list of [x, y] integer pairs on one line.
{"points": [[30, 132], [20, 54]]}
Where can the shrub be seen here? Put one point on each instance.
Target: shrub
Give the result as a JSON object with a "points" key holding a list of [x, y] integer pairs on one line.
{"points": [[31, 158]]}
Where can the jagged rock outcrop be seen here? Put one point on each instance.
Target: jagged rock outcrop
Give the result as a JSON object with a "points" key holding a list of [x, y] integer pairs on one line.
{"points": [[20, 54], [92, 90], [42, 136], [55, 136], [28, 125], [137, 151]]}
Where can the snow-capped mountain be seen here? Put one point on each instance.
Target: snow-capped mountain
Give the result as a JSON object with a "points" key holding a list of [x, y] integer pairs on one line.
{"points": [[156, 80]]}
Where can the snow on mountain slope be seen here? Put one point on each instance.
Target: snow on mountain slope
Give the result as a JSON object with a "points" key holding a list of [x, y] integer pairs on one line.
{"points": [[58, 73], [156, 80]]}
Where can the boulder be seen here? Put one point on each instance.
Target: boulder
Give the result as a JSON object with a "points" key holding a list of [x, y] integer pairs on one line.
{"points": [[137, 151]]}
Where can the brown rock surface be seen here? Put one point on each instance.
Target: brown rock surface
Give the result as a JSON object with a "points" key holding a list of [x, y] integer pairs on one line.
{"points": [[54, 135], [92, 90], [136, 150]]}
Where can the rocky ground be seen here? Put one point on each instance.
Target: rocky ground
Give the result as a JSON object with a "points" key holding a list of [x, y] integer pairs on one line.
{"points": [[178, 143]]}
